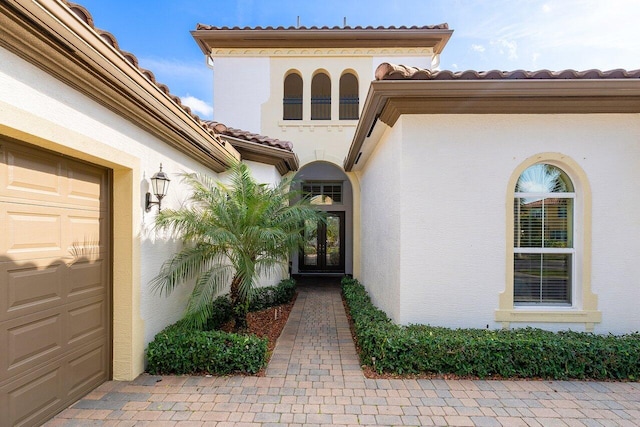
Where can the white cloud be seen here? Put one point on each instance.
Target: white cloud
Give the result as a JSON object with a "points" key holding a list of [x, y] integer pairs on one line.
{"points": [[192, 81], [198, 106], [477, 48], [554, 34], [534, 59], [506, 47]]}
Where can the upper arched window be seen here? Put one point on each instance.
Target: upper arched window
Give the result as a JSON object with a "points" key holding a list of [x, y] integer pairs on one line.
{"points": [[292, 101], [349, 100], [321, 97], [544, 250]]}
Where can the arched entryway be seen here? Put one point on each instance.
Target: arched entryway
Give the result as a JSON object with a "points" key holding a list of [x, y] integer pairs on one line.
{"points": [[329, 246]]}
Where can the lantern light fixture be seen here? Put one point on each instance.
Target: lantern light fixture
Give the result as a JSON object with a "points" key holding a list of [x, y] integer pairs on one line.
{"points": [[159, 186]]}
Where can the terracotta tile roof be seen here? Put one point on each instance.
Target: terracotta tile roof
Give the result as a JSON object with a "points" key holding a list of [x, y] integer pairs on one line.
{"points": [[314, 28], [386, 71], [110, 39], [211, 38], [222, 129]]}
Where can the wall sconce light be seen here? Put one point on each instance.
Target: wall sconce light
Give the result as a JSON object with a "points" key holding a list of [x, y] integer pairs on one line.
{"points": [[159, 185]]}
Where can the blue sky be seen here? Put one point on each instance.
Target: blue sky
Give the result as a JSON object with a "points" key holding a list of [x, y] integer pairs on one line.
{"points": [[488, 34]]}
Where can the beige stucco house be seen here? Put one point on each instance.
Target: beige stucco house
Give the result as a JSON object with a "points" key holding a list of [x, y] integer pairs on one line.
{"points": [[488, 200], [82, 131], [421, 180]]}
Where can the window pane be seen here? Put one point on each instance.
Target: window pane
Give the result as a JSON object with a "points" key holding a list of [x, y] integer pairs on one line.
{"points": [[323, 193], [349, 97], [542, 278], [310, 249], [528, 224], [333, 241], [557, 224], [292, 101], [321, 97], [543, 178], [543, 222]]}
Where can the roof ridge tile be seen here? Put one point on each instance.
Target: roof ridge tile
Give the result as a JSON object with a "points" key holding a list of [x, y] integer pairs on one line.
{"points": [[388, 71], [222, 129]]}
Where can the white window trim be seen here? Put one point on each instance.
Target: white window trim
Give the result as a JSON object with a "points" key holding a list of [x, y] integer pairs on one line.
{"points": [[584, 303], [576, 259]]}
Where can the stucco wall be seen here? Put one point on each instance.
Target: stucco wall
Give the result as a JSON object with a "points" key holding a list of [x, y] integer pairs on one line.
{"points": [[380, 225], [453, 206], [240, 86], [313, 139], [269, 175], [39, 109], [248, 93]]}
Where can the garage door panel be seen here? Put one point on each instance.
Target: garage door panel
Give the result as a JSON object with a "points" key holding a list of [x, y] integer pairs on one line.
{"points": [[30, 287], [30, 399], [31, 174], [86, 321], [32, 232], [86, 278], [43, 336], [82, 238], [55, 281], [86, 186], [30, 341], [85, 369], [33, 287]]}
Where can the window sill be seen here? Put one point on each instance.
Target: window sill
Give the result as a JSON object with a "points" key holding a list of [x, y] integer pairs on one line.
{"points": [[317, 123], [548, 315]]}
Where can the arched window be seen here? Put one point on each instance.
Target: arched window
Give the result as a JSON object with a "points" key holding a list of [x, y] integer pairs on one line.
{"points": [[544, 251], [292, 101], [349, 100], [548, 230], [321, 97]]}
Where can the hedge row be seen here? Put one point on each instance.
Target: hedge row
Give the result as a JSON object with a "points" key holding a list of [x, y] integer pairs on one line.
{"points": [[180, 350], [517, 353], [176, 350]]}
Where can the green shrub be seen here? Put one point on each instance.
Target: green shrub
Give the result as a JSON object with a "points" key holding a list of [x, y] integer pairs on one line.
{"points": [[177, 350], [518, 353], [220, 313], [271, 296]]}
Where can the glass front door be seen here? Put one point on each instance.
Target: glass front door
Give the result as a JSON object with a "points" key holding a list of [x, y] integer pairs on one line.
{"points": [[324, 245]]}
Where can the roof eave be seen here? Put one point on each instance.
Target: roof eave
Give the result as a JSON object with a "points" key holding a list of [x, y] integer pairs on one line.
{"points": [[387, 100], [78, 56], [322, 38], [285, 161]]}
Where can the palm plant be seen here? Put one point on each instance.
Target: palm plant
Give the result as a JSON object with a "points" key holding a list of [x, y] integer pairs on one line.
{"points": [[232, 233]]}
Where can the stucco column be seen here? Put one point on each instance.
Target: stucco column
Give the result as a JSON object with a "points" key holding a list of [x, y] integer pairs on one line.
{"points": [[306, 97]]}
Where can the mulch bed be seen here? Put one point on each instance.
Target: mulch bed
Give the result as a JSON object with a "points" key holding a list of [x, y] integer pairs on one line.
{"points": [[267, 323]]}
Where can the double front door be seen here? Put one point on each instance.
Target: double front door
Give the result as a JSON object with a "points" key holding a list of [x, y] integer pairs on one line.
{"points": [[323, 250]]}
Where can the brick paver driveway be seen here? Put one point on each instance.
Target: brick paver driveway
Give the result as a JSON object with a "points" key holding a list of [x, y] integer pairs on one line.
{"points": [[314, 379]]}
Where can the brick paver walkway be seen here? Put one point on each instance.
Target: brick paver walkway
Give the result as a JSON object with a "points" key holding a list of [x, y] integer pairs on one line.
{"points": [[314, 379]]}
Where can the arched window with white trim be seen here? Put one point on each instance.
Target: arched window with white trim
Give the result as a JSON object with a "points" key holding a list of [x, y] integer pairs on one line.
{"points": [[544, 251]]}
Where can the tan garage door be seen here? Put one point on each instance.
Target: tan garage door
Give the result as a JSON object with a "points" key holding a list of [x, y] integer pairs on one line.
{"points": [[55, 292]]}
